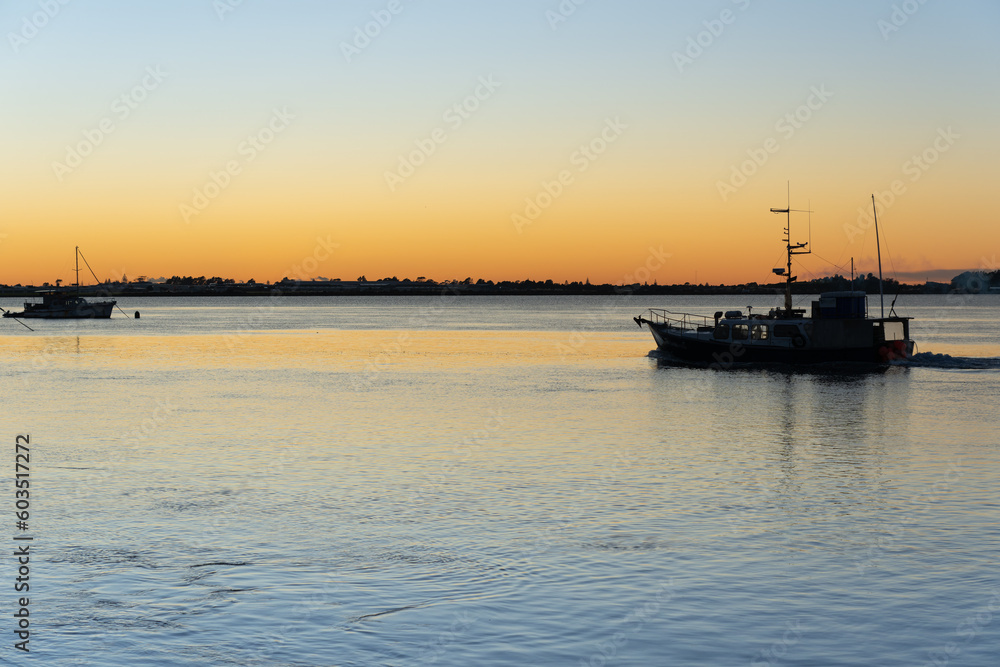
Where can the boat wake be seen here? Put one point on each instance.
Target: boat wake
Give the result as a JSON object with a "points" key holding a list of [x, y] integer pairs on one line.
{"points": [[946, 361]]}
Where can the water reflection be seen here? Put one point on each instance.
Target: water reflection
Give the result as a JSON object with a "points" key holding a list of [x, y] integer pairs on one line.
{"points": [[782, 434]]}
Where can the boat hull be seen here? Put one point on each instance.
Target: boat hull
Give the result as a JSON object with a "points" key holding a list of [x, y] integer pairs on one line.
{"points": [[80, 311], [726, 353]]}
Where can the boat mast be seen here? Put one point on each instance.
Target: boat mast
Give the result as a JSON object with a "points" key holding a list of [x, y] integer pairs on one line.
{"points": [[78, 269], [791, 249], [878, 248]]}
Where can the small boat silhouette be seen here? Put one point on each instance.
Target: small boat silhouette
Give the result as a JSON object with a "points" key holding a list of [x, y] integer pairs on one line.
{"points": [[64, 305]]}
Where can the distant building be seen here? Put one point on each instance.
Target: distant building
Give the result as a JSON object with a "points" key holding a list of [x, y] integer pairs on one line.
{"points": [[972, 282]]}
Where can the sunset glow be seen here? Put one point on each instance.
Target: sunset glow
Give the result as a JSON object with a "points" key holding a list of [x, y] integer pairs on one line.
{"points": [[497, 140]]}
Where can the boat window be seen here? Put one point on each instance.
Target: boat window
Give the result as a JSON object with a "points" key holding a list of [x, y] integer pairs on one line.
{"points": [[893, 330], [721, 332], [785, 331], [741, 331], [758, 332]]}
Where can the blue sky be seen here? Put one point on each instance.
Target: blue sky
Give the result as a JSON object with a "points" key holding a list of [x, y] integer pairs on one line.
{"points": [[227, 71]]}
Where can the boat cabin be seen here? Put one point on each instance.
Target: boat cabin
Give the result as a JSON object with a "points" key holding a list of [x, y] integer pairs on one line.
{"points": [[839, 319], [840, 305]]}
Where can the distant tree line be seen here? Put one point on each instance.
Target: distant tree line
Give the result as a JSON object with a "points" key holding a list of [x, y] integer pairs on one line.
{"points": [[201, 280], [970, 282]]}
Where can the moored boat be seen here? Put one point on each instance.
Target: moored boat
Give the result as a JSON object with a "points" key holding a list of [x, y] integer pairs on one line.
{"points": [[65, 305], [61, 306]]}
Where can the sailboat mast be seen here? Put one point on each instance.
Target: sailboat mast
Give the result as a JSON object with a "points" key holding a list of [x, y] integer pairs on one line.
{"points": [[788, 245], [878, 248], [77, 269]]}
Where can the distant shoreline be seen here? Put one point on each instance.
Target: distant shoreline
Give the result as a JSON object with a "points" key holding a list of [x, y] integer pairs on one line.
{"points": [[523, 288]]}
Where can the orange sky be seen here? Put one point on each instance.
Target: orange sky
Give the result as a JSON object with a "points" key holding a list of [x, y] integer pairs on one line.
{"points": [[238, 151]]}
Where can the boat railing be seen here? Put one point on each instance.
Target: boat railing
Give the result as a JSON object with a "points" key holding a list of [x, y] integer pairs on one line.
{"points": [[680, 320]]}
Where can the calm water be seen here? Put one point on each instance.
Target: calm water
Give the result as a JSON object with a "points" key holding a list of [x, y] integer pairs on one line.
{"points": [[496, 481]]}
